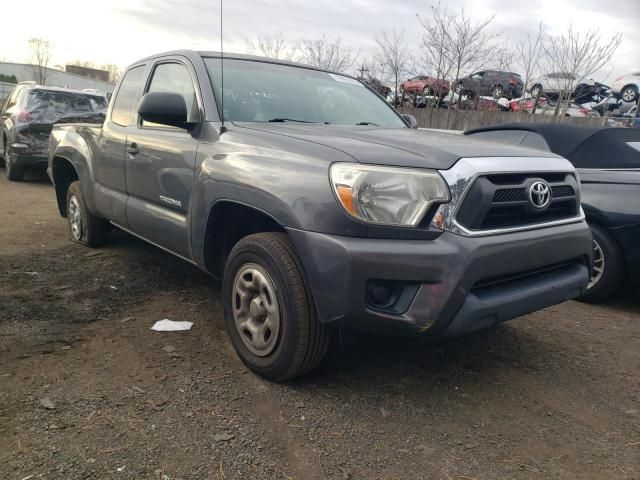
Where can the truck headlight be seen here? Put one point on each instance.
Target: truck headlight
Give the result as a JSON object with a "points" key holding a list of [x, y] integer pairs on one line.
{"points": [[387, 195]]}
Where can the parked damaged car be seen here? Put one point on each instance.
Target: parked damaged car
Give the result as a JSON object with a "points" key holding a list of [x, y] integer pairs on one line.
{"points": [[28, 115], [608, 162]]}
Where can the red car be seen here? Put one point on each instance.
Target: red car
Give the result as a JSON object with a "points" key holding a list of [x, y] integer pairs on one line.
{"points": [[425, 85], [525, 104]]}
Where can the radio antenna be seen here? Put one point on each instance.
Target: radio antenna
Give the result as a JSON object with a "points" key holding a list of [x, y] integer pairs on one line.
{"points": [[222, 127]]}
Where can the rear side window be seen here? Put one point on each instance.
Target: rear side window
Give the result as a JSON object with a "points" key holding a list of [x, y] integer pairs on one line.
{"points": [[123, 105]]}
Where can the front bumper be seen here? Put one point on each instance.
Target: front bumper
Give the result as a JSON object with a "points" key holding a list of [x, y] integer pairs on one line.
{"points": [[463, 283]]}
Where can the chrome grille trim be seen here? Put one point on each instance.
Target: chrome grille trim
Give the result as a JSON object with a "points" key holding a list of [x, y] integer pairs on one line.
{"points": [[461, 176]]}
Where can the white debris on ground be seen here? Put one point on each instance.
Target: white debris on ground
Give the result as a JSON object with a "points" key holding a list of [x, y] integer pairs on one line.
{"points": [[167, 325]]}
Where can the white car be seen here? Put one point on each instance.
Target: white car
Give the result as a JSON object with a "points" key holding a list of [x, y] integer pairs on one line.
{"points": [[557, 82], [627, 87]]}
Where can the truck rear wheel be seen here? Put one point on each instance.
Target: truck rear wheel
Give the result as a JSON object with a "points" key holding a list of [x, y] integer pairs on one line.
{"points": [[84, 227], [268, 309]]}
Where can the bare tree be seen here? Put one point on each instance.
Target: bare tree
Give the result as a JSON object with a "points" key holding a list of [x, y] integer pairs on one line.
{"points": [[272, 46], [436, 57], [503, 58], [40, 58], [330, 55], [115, 72], [577, 56], [393, 53], [469, 44], [529, 52]]}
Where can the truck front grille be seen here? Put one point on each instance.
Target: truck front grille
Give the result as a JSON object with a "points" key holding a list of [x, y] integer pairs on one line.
{"points": [[501, 201]]}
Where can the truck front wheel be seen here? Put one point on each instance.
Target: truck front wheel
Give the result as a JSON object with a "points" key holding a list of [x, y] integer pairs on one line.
{"points": [[84, 227], [268, 309]]}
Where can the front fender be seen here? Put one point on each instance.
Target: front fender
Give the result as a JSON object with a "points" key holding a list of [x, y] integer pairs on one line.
{"points": [[293, 189]]}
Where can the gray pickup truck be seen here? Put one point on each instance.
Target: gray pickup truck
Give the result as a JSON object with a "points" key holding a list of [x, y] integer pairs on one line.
{"points": [[319, 207]]}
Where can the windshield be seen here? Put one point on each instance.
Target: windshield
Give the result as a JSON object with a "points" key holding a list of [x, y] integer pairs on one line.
{"points": [[265, 92]]}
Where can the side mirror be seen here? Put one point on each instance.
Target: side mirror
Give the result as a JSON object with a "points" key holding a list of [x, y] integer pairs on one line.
{"points": [[164, 108], [411, 120]]}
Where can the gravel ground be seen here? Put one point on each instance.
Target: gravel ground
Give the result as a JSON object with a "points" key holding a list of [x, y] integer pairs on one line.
{"points": [[88, 391]]}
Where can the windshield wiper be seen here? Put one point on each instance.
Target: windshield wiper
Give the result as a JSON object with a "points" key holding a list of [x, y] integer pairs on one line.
{"points": [[368, 123], [291, 120]]}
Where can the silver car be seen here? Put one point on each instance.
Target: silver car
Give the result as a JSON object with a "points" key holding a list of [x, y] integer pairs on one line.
{"points": [[627, 87], [557, 82]]}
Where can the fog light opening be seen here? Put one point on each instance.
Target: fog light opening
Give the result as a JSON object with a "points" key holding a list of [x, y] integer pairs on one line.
{"points": [[390, 296], [380, 294]]}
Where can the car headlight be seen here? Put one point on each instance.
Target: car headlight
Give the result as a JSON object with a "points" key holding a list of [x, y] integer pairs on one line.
{"points": [[387, 195]]}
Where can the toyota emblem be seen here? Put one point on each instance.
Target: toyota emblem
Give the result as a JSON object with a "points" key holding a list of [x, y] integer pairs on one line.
{"points": [[539, 194]]}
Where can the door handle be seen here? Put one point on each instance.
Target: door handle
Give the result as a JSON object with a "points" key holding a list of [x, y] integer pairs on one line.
{"points": [[132, 149]]}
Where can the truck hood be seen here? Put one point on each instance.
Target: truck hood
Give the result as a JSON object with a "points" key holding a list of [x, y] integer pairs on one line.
{"points": [[404, 147]]}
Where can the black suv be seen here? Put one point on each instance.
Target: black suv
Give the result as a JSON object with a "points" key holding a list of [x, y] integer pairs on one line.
{"points": [[490, 82], [28, 115]]}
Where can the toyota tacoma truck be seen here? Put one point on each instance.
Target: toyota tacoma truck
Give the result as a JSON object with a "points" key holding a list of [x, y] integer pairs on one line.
{"points": [[318, 205]]}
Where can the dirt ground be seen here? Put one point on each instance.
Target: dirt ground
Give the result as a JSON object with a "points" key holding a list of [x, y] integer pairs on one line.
{"points": [[88, 391]]}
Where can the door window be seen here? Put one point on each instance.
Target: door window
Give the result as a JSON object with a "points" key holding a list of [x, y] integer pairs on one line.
{"points": [[174, 78], [123, 105]]}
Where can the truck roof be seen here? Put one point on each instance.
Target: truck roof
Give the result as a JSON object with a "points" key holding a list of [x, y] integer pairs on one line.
{"points": [[236, 56]]}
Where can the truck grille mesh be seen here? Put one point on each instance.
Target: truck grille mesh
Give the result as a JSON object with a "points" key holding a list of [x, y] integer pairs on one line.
{"points": [[500, 201]]}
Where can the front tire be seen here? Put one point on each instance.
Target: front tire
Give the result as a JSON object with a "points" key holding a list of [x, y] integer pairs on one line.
{"points": [[608, 267], [497, 92], [83, 226], [269, 311]]}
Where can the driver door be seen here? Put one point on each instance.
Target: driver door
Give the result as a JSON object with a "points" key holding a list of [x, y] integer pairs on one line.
{"points": [[160, 164]]}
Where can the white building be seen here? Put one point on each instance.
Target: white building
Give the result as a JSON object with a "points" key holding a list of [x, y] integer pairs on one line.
{"points": [[56, 78]]}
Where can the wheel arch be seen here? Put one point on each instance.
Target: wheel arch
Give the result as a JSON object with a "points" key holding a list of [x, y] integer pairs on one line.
{"points": [[64, 173], [227, 223]]}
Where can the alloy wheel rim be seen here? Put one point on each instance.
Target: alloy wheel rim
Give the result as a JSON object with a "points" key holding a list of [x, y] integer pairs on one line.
{"points": [[598, 265], [75, 218], [256, 312], [628, 95]]}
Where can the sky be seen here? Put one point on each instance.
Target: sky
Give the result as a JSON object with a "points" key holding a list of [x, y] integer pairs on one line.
{"points": [[122, 31]]}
